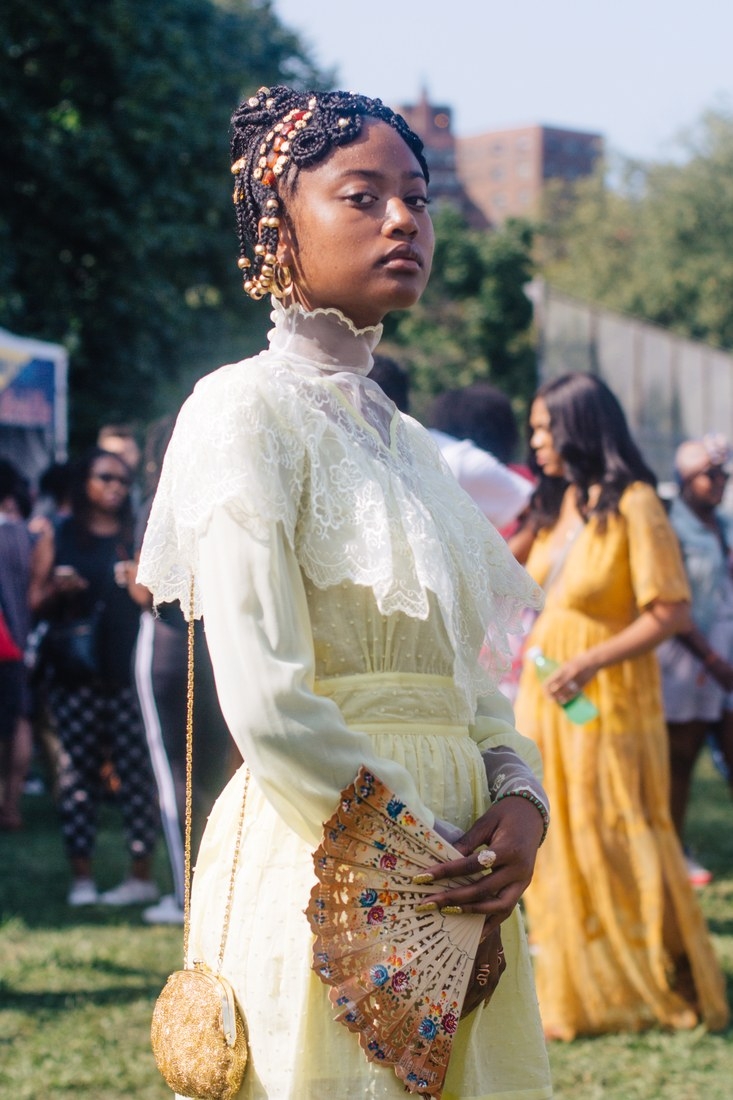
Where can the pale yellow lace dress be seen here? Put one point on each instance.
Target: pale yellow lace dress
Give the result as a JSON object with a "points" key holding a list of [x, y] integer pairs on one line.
{"points": [[346, 583]]}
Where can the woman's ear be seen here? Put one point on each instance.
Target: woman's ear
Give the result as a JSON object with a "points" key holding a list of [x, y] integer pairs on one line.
{"points": [[285, 244]]}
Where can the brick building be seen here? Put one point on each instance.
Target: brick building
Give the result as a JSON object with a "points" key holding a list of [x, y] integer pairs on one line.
{"points": [[504, 171], [433, 123], [501, 173]]}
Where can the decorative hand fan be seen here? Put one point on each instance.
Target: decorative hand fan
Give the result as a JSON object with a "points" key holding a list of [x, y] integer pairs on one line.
{"points": [[398, 978]]}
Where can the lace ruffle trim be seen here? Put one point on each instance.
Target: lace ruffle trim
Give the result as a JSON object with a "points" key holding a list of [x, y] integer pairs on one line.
{"points": [[277, 445]]}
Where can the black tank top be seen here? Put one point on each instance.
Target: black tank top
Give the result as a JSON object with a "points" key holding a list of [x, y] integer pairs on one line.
{"points": [[94, 557]]}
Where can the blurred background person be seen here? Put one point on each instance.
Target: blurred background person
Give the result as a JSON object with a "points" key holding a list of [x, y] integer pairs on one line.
{"points": [[161, 680], [121, 439], [16, 567], [477, 432], [475, 428], [51, 505], [621, 943], [95, 711], [697, 667], [393, 380], [464, 422], [54, 492]]}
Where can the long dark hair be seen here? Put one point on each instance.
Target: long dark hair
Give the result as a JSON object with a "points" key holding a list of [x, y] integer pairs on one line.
{"points": [[80, 507], [590, 433]]}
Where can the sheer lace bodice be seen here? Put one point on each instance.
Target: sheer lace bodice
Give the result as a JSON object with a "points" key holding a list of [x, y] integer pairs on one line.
{"points": [[300, 436]]}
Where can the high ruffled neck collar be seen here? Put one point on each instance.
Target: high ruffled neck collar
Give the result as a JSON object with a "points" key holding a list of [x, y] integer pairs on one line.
{"points": [[323, 337]]}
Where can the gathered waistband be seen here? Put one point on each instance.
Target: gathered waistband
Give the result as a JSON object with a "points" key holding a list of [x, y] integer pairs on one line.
{"points": [[398, 702]]}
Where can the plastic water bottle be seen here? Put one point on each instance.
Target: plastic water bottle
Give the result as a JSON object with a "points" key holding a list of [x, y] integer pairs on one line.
{"points": [[579, 709]]}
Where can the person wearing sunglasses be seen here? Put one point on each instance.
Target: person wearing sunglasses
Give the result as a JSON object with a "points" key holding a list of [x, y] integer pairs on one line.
{"points": [[84, 591], [697, 667]]}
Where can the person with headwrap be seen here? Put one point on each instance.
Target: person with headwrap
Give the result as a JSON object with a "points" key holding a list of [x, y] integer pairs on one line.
{"points": [[697, 667]]}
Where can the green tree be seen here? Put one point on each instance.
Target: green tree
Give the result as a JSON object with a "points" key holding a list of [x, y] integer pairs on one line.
{"points": [[657, 245], [116, 228], [474, 319]]}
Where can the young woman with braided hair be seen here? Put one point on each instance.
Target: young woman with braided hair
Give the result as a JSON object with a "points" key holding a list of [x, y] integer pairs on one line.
{"points": [[347, 587]]}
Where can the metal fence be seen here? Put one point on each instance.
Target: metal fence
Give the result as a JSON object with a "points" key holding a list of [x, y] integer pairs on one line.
{"points": [[671, 389]]}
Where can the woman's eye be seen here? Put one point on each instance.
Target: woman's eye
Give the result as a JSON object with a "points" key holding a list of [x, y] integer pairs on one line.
{"points": [[418, 202], [362, 198]]}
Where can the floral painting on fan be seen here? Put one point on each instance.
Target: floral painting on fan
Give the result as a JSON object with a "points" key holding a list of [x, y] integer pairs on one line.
{"points": [[397, 977]]}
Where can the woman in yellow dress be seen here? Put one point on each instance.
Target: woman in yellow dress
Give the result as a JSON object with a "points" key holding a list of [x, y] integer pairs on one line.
{"points": [[620, 941]]}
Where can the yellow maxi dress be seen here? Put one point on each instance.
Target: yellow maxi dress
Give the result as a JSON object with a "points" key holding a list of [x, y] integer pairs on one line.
{"points": [[611, 914], [346, 584]]}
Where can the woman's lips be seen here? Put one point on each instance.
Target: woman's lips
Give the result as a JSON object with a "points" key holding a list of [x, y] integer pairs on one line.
{"points": [[403, 259]]}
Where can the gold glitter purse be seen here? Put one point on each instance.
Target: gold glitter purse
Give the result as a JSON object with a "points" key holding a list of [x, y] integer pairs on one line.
{"points": [[197, 1032]]}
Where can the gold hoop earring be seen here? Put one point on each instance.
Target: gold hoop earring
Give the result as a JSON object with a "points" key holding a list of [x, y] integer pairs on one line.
{"points": [[282, 281]]}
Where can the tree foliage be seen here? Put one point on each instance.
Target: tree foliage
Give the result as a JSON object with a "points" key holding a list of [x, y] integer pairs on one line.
{"points": [[116, 228], [474, 319], [658, 246]]}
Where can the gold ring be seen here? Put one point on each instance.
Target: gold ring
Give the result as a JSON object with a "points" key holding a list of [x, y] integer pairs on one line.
{"points": [[483, 974]]}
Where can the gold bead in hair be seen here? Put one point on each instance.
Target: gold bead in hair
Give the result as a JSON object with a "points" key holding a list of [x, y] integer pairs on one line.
{"points": [[272, 162]]}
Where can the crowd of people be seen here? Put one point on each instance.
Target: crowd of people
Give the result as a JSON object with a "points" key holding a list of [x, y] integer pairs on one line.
{"points": [[361, 612], [95, 675]]}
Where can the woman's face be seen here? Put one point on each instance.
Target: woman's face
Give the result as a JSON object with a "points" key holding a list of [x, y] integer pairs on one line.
{"points": [[108, 483], [541, 441], [707, 488], [358, 236]]}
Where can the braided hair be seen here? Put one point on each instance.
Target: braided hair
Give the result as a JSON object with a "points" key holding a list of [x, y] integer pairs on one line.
{"points": [[276, 132]]}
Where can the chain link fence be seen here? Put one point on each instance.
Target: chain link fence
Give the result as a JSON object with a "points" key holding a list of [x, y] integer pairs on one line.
{"points": [[671, 388]]}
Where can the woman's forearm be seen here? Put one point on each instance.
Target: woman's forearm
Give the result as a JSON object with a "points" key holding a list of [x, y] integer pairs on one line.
{"points": [[655, 624], [658, 622]]}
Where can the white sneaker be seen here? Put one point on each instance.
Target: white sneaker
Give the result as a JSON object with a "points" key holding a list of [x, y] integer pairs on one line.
{"points": [[82, 892], [167, 911], [133, 891]]}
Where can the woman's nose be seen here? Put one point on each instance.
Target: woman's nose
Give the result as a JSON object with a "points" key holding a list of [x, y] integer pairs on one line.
{"points": [[400, 217]]}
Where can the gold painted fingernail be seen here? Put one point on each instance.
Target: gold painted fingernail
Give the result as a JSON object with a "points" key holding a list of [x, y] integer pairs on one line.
{"points": [[451, 910], [426, 907], [422, 880]]}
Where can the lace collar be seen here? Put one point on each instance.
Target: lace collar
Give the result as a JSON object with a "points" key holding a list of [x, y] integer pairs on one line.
{"points": [[324, 338]]}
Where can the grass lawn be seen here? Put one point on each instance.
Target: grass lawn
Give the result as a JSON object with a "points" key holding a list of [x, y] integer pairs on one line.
{"points": [[77, 987]]}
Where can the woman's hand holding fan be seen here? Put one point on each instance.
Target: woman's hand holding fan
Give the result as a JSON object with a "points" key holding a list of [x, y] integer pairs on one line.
{"points": [[511, 829], [400, 951]]}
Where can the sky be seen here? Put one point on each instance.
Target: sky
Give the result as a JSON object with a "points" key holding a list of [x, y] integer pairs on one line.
{"points": [[641, 72]]}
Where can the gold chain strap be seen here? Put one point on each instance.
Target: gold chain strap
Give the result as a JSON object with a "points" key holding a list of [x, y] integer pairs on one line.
{"points": [[189, 810]]}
